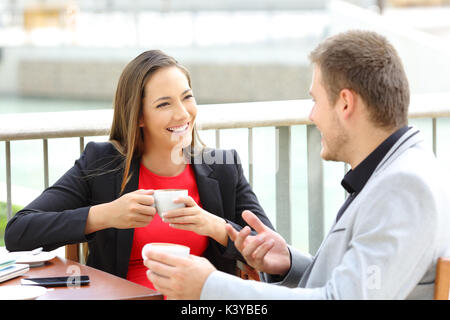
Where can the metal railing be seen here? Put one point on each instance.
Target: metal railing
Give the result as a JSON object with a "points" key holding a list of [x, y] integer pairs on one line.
{"points": [[279, 114]]}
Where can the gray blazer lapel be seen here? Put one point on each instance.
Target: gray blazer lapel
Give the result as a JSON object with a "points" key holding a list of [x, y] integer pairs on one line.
{"points": [[409, 139]]}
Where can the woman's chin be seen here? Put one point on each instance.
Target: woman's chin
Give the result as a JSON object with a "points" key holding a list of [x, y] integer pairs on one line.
{"points": [[182, 143]]}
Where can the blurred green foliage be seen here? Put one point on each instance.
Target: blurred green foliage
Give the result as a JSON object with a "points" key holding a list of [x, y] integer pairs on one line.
{"points": [[3, 220]]}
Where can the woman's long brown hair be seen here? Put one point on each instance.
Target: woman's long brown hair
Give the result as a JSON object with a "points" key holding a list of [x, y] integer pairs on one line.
{"points": [[125, 134]]}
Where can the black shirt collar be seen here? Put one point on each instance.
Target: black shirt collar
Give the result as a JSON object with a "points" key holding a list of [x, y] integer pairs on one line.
{"points": [[356, 179]]}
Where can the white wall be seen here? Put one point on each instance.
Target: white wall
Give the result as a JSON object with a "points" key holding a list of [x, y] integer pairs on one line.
{"points": [[270, 72]]}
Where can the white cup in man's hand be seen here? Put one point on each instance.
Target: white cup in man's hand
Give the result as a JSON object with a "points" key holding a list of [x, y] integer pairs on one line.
{"points": [[170, 248]]}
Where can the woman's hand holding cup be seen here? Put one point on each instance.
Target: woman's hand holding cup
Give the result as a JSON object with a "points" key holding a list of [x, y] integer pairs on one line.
{"points": [[133, 210], [193, 218]]}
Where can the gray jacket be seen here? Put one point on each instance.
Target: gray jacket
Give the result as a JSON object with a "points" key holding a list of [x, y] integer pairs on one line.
{"points": [[385, 246]]}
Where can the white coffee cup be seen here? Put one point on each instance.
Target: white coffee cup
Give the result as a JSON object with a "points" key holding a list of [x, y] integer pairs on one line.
{"points": [[164, 199], [170, 248]]}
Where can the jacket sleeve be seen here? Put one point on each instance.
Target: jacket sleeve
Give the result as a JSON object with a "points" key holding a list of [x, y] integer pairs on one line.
{"points": [[245, 200], [299, 264], [58, 216], [391, 250]]}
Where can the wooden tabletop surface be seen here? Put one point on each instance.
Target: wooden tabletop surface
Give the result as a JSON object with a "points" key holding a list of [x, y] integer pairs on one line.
{"points": [[102, 286]]}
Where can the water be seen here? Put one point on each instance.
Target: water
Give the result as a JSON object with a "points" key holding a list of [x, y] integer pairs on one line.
{"points": [[28, 177], [27, 160]]}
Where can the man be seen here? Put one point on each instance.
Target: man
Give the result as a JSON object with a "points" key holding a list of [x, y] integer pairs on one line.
{"points": [[394, 224]]}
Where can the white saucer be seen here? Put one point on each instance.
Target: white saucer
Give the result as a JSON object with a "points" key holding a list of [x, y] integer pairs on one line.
{"points": [[21, 292], [36, 259]]}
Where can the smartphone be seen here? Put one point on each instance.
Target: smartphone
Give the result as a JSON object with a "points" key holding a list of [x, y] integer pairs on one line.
{"points": [[71, 281]]}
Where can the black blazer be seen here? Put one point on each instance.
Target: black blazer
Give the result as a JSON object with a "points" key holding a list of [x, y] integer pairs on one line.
{"points": [[58, 216]]}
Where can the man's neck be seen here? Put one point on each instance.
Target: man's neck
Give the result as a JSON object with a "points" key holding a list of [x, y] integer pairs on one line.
{"points": [[365, 142]]}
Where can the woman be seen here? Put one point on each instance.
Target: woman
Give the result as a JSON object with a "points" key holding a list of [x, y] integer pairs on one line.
{"points": [[106, 197]]}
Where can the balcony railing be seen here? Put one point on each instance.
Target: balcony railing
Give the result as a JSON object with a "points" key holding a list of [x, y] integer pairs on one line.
{"points": [[279, 114]]}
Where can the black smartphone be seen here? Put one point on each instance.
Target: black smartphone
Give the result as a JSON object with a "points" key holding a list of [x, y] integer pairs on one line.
{"points": [[71, 281]]}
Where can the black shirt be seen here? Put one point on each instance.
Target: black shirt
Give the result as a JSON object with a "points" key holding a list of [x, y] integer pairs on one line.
{"points": [[355, 179]]}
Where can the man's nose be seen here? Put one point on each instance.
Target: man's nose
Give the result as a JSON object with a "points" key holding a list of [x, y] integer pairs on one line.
{"points": [[311, 114]]}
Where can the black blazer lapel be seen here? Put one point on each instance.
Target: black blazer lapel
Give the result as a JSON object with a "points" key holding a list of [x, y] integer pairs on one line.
{"points": [[208, 189], [125, 236]]}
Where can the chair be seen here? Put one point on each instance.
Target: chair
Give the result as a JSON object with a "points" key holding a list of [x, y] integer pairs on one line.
{"points": [[246, 272], [77, 252], [442, 282]]}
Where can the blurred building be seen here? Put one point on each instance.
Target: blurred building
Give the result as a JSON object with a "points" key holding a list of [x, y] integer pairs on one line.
{"points": [[249, 50], [236, 50]]}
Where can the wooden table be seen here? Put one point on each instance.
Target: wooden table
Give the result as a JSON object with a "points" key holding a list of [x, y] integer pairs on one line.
{"points": [[102, 286]]}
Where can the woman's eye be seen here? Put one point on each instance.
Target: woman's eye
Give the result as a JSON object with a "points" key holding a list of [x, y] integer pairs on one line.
{"points": [[162, 105], [188, 96]]}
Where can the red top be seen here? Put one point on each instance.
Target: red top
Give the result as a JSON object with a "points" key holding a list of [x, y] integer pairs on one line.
{"points": [[159, 231]]}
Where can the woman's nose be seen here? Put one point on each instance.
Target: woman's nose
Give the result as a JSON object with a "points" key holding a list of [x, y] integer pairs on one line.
{"points": [[181, 111]]}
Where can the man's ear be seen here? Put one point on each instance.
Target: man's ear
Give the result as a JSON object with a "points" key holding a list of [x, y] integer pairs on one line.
{"points": [[347, 103]]}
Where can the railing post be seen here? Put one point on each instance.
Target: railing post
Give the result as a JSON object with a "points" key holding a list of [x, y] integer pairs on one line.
{"points": [[250, 156], [217, 139], [8, 180], [46, 179], [315, 189], [81, 145], [434, 125], [283, 182]]}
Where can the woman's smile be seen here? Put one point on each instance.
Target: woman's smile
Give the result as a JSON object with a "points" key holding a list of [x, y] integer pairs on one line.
{"points": [[179, 130]]}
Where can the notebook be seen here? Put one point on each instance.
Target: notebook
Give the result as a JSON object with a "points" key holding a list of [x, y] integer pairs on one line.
{"points": [[6, 262], [13, 271]]}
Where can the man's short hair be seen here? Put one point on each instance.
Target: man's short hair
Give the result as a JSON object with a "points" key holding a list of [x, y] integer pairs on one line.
{"points": [[368, 64]]}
